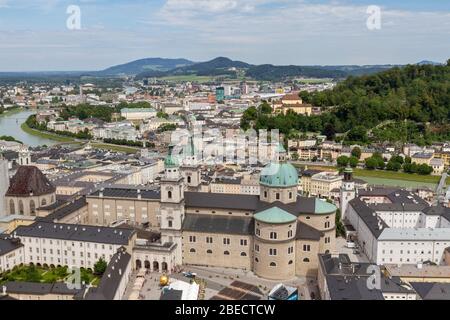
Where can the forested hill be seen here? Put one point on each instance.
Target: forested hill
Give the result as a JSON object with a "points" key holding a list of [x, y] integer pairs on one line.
{"points": [[416, 96]]}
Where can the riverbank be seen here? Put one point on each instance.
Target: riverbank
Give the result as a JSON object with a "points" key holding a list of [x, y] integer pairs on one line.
{"points": [[46, 135], [11, 111], [69, 140]]}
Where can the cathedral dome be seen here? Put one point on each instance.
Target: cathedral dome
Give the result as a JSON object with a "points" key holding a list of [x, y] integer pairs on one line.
{"points": [[279, 175]]}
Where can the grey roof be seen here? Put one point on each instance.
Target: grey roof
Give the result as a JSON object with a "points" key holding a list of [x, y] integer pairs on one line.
{"points": [[221, 201], [399, 207], [66, 210], [438, 211], [218, 224], [130, 193], [369, 216], [37, 288], [347, 280], [42, 229], [112, 277], [344, 288], [306, 232], [395, 195], [432, 290], [7, 245]]}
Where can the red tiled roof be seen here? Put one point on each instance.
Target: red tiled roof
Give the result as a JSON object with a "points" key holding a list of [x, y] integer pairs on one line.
{"points": [[27, 180]]}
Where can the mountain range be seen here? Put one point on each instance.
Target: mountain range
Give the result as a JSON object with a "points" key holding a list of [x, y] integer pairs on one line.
{"points": [[221, 66]]}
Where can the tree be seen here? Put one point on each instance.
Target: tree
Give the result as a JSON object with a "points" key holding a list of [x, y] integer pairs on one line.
{"points": [[329, 131], [357, 134], [342, 161], [294, 156], [265, 108], [356, 152], [100, 267], [353, 161], [371, 163], [162, 115], [424, 169]]}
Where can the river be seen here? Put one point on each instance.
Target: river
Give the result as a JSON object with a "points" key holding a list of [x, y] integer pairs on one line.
{"points": [[10, 126]]}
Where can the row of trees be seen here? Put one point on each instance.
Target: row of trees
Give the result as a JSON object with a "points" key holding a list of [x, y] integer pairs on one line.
{"points": [[397, 163]]}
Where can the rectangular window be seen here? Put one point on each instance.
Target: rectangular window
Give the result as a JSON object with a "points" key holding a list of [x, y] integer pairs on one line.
{"points": [[243, 242], [226, 241], [272, 252]]}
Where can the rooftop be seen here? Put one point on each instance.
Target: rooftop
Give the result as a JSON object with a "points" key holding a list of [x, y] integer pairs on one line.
{"points": [[41, 229]]}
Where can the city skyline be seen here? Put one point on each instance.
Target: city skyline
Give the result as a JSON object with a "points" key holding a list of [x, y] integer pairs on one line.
{"points": [[35, 36]]}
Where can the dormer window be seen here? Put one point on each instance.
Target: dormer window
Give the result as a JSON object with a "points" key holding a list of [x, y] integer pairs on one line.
{"points": [[169, 194]]}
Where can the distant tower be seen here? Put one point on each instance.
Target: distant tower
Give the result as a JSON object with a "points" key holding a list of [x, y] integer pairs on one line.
{"points": [[348, 191], [190, 169], [172, 205], [24, 156]]}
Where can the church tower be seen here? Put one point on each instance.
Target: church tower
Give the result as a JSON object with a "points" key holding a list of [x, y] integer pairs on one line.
{"points": [[190, 169], [172, 204], [24, 156], [348, 191]]}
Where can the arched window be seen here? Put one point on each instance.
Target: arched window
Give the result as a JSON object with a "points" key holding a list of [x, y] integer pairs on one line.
{"points": [[192, 250], [273, 264], [327, 224], [189, 179], [209, 252], [243, 254], [44, 202], [32, 208], [227, 253], [169, 194], [306, 260], [290, 233], [12, 207], [256, 260], [291, 262], [21, 210]]}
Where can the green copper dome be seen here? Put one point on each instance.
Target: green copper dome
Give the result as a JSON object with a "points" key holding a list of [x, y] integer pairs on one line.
{"points": [[279, 175], [171, 160], [275, 215]]}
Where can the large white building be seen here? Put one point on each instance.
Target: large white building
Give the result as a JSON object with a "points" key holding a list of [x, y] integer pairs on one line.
{"points": [[394, 226], [71, 245]]}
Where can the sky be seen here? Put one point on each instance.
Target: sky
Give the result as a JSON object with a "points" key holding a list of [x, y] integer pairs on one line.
{"points": [[34, 35]]}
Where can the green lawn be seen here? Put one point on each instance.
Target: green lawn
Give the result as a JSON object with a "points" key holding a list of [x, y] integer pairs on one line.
{"points": [[397, 176], [45, 275], [47, 135], [115, 148]]}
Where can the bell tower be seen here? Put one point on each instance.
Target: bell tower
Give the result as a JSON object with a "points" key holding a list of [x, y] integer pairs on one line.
{"points": [[24, 156], [348, 191], [172, 204], [190, 169]]}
